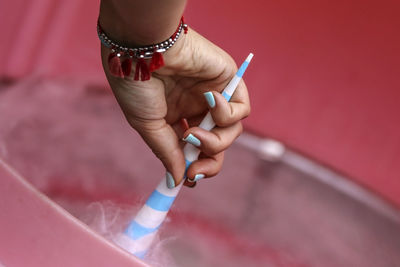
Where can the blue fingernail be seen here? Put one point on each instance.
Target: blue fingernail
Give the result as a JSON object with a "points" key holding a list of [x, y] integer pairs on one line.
{"points": [[198, 177], [210, 99], [170, 180], [192, 140]]}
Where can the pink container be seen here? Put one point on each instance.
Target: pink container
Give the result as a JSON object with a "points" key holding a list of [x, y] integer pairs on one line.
{"points": [[71, 142], [324, 82]]}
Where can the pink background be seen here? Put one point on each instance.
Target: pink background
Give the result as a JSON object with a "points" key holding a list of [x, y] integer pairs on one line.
{"points": [[325, 77]]}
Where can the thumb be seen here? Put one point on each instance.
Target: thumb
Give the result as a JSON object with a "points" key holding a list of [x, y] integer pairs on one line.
{"points": [[164, 143]]}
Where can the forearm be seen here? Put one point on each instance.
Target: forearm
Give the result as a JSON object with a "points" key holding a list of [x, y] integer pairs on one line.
{"points": [[140, 22]]}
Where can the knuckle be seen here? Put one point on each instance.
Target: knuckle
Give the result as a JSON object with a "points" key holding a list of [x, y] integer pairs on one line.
{"points": [[223, 119], [212, 150], [213, 172], [217, 147], [145, 126]]}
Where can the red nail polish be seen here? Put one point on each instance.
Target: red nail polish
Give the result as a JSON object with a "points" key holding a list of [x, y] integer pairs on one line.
{"points": [[184, 124]]}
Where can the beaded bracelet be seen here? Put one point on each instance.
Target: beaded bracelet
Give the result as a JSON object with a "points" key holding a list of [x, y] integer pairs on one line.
{"points": [[127, 54]]}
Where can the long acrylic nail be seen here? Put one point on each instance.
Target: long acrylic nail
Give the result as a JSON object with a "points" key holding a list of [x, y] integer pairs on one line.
{"points": [[170, 180], [210, 99], [197, 177], [192, 140]]}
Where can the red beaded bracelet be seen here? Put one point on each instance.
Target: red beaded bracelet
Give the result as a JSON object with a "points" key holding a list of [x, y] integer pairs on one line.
{"points": [[126, 55]]}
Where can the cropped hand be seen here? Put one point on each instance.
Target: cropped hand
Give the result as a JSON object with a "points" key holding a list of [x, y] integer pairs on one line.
{"points": [[154, 108]]}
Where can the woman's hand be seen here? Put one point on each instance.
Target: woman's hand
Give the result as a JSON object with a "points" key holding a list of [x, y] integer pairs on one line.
{"points": [[154, 108]]}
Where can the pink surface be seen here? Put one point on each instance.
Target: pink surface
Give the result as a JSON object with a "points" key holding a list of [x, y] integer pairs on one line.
{"points": [[72, 143], [36, 232], [324, 79]]}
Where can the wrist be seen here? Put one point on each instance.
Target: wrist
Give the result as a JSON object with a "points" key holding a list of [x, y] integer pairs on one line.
{"points": [[147, 58], [138, 23]]}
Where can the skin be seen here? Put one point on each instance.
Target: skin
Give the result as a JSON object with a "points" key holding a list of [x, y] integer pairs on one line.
{"points": [[154, 108]]}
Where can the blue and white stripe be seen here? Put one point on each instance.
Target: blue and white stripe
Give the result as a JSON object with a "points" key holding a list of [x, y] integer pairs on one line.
{"points": [[143, 228]]}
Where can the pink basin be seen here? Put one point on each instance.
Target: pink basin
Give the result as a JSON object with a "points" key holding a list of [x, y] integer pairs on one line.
{"points": [[71, 142]]}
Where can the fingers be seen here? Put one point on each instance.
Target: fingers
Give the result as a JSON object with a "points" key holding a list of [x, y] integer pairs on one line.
{"points": [[225, 113], [214, 141], [164, 143], [204, 167], [212, 144], [227, 116]]}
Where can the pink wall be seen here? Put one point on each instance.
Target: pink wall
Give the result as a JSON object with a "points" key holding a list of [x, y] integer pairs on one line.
{"points": [[325, 77], [51, 38]]}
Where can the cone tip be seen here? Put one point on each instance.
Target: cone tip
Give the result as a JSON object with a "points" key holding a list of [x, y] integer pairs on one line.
{"points": [[249, 57]]}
